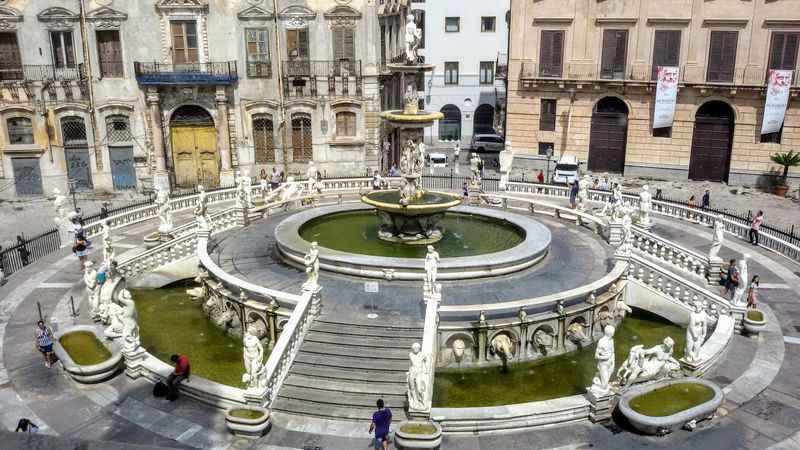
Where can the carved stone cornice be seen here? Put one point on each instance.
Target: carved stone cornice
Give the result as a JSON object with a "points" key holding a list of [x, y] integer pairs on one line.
{"points": [[296, 16], [255, 13], [105, 18], [182, 5], [342, 16], [58, 19], [9, 18]]}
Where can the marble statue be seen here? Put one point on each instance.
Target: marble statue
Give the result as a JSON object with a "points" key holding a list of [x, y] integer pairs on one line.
{"points": [[617, 201], [108, 243], [263, 184], [311, 261], [417, 378], [61, 218], [202, 197], [431, 268], [695, 333], [576, 333], [92, 287], [59, 202], [506, 158], [718, 238], [290, 190], [645, 206], [608, 208], [413, 39], [583, 192], [407, 157], [164, 210], [649, 364], [411, 100], [130, 321], [604, 355], [253, 359], [522, 315], [502, 346], [543, 339], [740, 293], [627, 229], [244, 193], [560, 308], [621, 310], [113, 317], [474, 166], [458, 349], [311, 175]]}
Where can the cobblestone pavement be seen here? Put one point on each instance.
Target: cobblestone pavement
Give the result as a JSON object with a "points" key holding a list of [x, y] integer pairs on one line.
{"points": [[762, 410]]}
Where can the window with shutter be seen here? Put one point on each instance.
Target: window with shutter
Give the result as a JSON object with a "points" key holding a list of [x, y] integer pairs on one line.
{"points": [[263, 139], [551, 53], [10, 59], [486, 75], [722, 56], [297, 44], [184, 42], [63, 49], [452, 24], [109, 51], [666, 50], [615, 45], [301, 137], [346, 124], [783, 51], [547, 116], [451, 73], [257, 45]]}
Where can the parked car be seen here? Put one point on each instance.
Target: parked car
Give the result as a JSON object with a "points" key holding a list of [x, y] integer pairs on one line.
{"points": [[487, 143], [437, 160], [567, 169]]}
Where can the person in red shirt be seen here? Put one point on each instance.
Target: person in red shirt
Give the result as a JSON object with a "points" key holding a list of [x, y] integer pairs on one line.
{"points": [[181, 372], [755, 227], [540, 177]]}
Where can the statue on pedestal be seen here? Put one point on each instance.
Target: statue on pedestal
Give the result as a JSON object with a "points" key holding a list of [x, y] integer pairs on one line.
{"points": [[475, 167], [311, 175], [417, 378], [253, 360], [413, 39], [92, 287], [695, 333], [311, 261], [244, 192], [108, 244], [411, 100], [718, 238], [583, 192], [649, 364], [645, 205], [164, 210], [130, 321], [740, 293], [506, 158], [431, 268], [604, 355]]}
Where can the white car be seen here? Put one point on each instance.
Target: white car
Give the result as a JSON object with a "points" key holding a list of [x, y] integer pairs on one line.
{"points": [[437, 160], [567, 169]]}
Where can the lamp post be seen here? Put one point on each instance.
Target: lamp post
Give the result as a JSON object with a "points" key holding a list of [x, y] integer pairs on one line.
{"points": [[549, 155]]}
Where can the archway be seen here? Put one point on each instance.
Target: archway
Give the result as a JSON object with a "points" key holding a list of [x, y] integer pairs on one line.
{"points": [[450, 125], [609, 136], [712, 140], [194, 147], [483, 122]]}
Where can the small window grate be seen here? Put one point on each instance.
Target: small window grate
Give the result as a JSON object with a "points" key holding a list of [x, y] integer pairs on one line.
{"points": [[73, 130], [118, 130]]}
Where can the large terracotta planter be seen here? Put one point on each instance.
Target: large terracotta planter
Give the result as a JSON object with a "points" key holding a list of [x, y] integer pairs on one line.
{"points": [[407, 441], [752, 325], [781, 190], [93, 373], [252, 428]]}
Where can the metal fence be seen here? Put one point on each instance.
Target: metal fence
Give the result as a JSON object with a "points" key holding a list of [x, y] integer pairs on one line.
{"points": [[28, 250]]}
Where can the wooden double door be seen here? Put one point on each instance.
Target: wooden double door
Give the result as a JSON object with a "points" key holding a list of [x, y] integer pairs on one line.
{"points": [[607, 142], [195, 156]]}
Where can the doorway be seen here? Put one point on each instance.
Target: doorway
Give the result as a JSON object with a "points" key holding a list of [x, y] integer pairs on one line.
{"points": [[194, 147]]}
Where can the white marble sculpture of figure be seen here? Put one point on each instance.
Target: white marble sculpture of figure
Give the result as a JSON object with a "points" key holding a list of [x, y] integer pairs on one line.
{"points": [[604, 355], [576, 332], [130, 321], [502, 346], [474, 166], [419, 158], [61, 218], [458, 349], [241, 191], [108, 243], [263, 184], [718, 238], [290, 190], [695, 333], [311, 175], [311, 261], [621, 310], [412, 40], [608, 208], [645, 205], [627, 229], [407, 158], [164, 210], [431, 268], [416, 378], [113, 316], [92, 289], [411, 99], [617, 201], [59, 202], [648, 364], [506, 158], [583, 192], [740, 293], [253, 355]]}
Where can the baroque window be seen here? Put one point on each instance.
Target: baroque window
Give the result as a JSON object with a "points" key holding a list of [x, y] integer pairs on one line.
{"points": [[20, 130], [301, 137], [264, 139], [346, 124]]}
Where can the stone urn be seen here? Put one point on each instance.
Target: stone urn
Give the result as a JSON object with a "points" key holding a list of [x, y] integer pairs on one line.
{"points": [[416, 434], [754, 322], [248, 421]]}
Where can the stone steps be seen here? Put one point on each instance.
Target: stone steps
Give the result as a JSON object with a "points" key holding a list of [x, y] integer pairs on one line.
{"points": [[342, 368]]}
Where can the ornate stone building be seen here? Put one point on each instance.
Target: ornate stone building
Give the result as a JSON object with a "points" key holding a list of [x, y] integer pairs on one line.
{"points": [[581, 81], [113, 95]]}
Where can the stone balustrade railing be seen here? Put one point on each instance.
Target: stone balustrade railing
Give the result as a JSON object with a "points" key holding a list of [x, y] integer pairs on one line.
{"points": [[540, 207], [430, 347], [689, 262]]}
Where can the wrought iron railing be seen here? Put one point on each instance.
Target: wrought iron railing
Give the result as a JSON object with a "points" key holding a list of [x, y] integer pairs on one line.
{"points": [[307, 78], [28, 250], [42, 72], [207, 72]]}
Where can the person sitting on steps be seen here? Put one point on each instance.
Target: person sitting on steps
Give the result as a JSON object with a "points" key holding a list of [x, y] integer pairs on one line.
{"points": [[182, 371]]}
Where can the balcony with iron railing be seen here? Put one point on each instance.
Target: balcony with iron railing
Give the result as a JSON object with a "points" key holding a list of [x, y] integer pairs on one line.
{"points": [[154, 73], [312, 78], [42, 72]]}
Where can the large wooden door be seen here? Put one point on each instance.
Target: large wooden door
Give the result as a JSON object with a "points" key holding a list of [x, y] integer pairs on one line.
{"points": [[711, 142], [607, 142], [194, 156]]}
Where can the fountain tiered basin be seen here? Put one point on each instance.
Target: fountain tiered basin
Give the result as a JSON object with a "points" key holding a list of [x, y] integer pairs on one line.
{"points": [[416, 221]]}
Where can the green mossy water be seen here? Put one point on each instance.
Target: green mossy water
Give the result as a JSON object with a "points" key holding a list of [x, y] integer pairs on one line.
{"points": [[671, 399], [754, 315], [464, 235], [560, 376], [418, 428], [249, 414], [84, 348], [172, 322]]}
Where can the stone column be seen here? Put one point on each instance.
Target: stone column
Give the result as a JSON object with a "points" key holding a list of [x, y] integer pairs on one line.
{"points": [[161, 177], [226, 176]]}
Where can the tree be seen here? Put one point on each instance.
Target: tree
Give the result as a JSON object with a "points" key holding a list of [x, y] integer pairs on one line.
{"points": [[788, 159]]}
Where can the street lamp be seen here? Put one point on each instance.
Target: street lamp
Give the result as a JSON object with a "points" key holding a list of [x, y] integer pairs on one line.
{"points": [[549, 152]]}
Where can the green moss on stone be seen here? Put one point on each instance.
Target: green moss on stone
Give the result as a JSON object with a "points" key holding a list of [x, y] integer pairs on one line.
{"points": [[244, 413], [418, 428], [84, 348], [671, 399], [755, 315]]}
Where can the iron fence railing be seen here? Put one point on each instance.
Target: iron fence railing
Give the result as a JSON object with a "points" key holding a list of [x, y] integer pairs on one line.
{"points": [[28, 250], [42, 72], [208, 72]]}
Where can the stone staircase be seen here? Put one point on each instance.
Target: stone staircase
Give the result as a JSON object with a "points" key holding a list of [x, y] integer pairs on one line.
{"points": [[342, 368]]}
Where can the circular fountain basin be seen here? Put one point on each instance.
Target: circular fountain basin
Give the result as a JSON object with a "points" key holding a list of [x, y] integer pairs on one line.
{"points": [[430, 202], [499, 243], [418, 120]]}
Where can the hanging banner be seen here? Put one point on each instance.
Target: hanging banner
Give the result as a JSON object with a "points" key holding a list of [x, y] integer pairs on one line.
{"points": [[778, 84], [666, 95]]}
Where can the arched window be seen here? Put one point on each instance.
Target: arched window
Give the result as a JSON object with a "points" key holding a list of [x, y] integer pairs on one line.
{"points": [[20, 130], [301, 137], [73, 131], [346, 124], [484, 120], [118, 130], [450, 125], [263, 139]]}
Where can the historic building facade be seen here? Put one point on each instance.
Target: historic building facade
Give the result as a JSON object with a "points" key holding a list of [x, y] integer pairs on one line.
{"points": [[114, 95], [581, 82]]}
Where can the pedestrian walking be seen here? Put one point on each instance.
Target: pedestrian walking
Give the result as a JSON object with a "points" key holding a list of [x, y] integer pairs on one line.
{"points": [[540, 177], [275, 179], [573, 194], [81, 250], [755, 226], [465, 191], [752, 292], [44, 342], [603, 184], [705, 202], [376, 181], [731, 279], [181, 372], [456, 152], [26, 426], [692, 203], [22, 251], [381, 422]]}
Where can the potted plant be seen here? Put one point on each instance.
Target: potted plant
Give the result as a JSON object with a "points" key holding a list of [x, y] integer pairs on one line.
{"points": [[418, 434], [247, 421], [788, 159], [754, 322]]}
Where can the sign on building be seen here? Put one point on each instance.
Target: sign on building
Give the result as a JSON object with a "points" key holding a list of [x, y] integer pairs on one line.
{"points": [[778, 84], [666, 95]]}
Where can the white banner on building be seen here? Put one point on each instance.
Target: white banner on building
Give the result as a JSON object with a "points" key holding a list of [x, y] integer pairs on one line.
{"points": [[778, 84], [666, 94]]}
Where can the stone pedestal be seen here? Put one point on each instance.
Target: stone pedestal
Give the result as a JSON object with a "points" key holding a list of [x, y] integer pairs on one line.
{"points": [[474, 198], [615, 232], [227, 178], [242, 217], [134, 361], [165, 235], [600, 406], [713, 266]]}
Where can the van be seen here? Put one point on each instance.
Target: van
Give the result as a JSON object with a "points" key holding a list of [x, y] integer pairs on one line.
{"points": [[567, 169], [487, 143], [437, 160]]}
